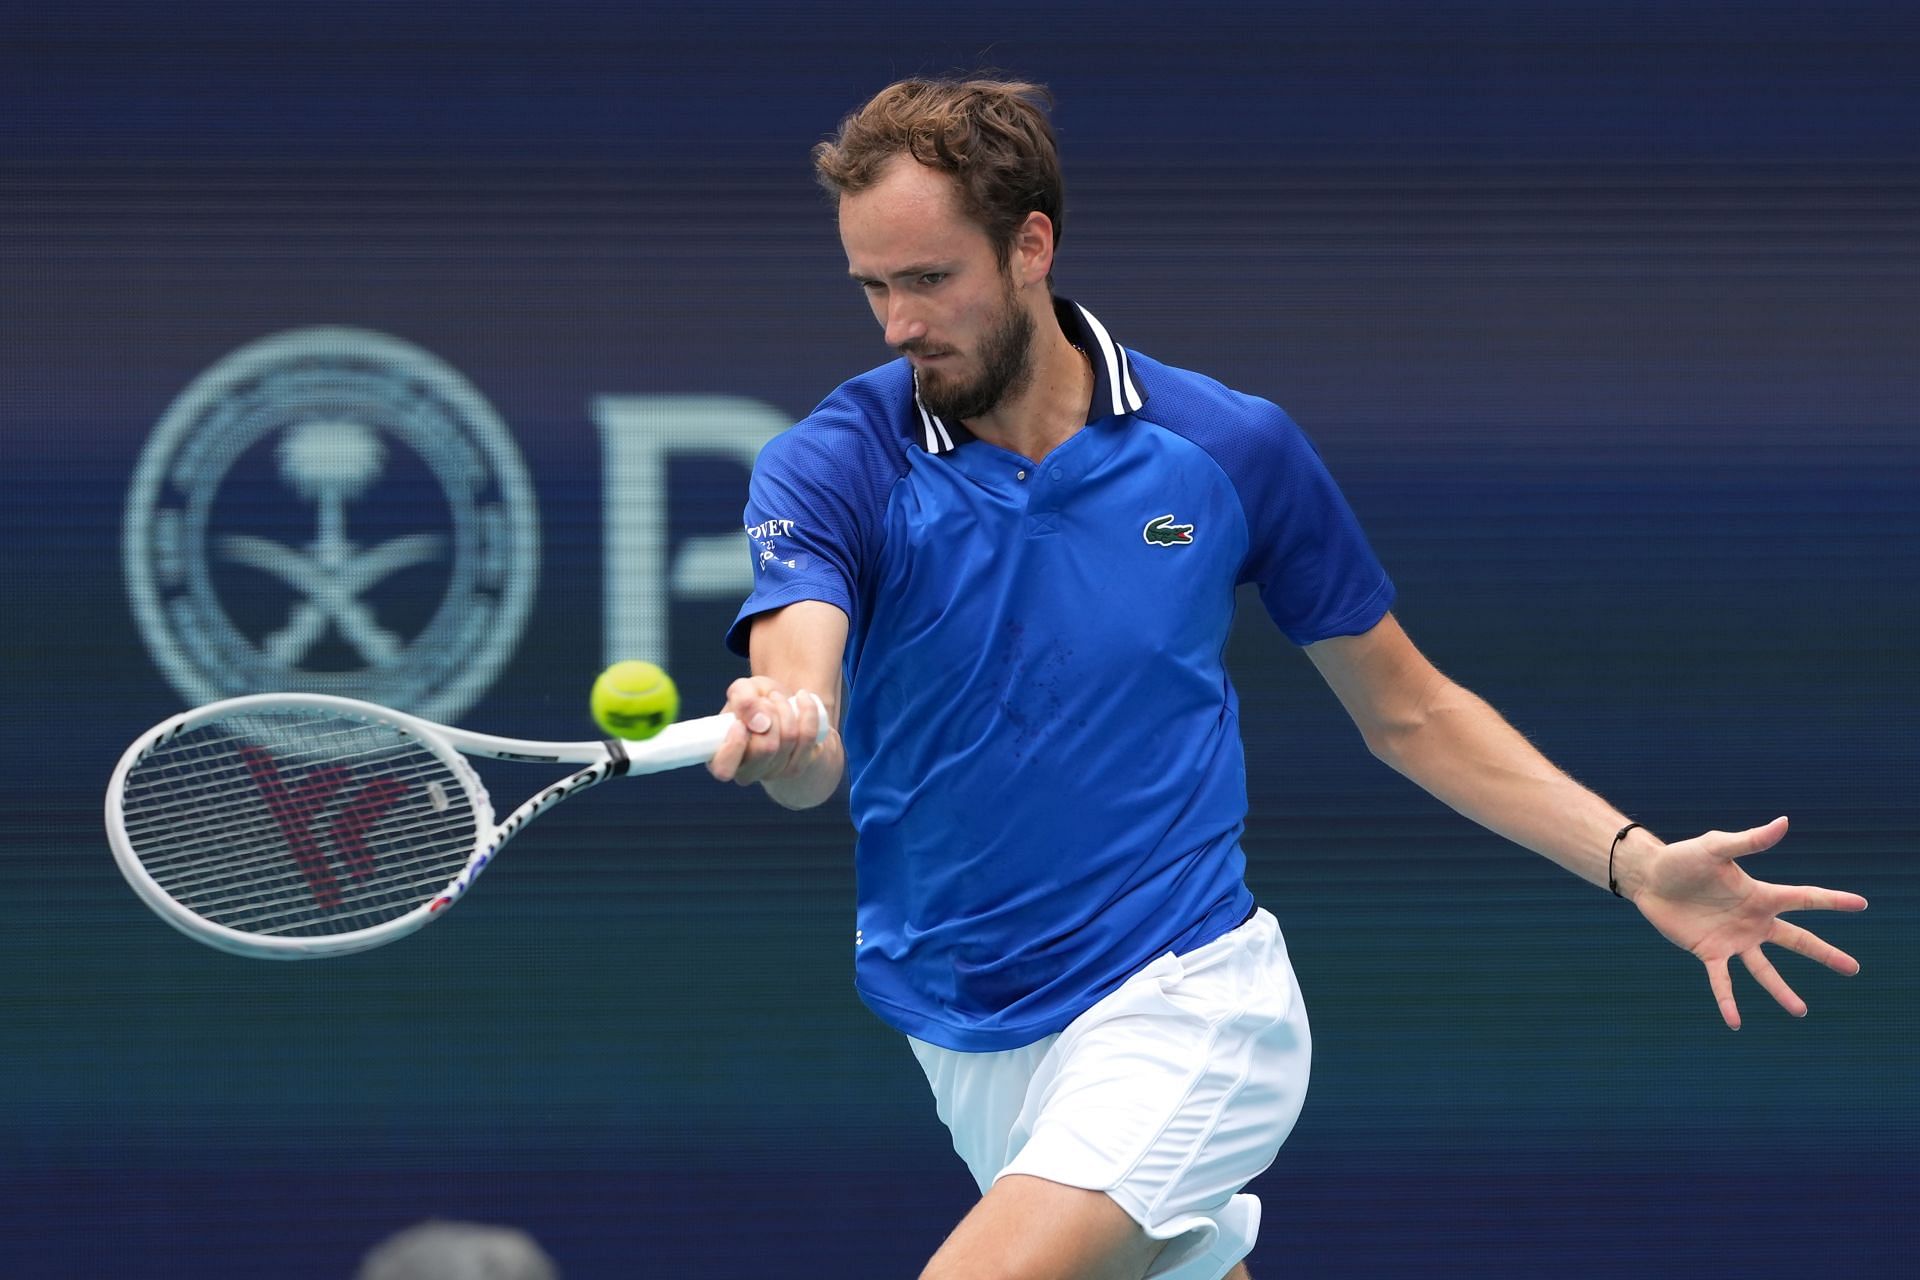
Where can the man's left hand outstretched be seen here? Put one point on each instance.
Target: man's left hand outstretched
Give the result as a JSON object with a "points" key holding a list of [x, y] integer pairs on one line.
{"points": [[1700, 899]]}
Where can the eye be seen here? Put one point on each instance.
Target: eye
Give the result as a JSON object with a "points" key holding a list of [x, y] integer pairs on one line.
{"points": [[932, 278]]}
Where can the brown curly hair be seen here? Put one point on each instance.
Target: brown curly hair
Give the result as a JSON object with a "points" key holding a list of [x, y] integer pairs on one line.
{"points": [[993, 136]]}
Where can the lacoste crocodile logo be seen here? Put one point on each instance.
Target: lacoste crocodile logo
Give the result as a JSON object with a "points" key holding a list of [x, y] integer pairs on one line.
{"points": [[1161, 531]]}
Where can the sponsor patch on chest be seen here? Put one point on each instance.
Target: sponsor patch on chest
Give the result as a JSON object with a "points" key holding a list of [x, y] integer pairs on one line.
{"points": [[1161, 531]]}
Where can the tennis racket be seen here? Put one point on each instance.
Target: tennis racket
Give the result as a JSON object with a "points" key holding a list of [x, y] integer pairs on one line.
{"points": [[291, 826]]}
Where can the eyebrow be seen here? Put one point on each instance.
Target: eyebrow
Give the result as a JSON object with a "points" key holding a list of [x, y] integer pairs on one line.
{"points": [[917, 269]]}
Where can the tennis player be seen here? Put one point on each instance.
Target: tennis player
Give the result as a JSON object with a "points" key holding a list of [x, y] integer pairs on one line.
{"points": [[1013, 552]]}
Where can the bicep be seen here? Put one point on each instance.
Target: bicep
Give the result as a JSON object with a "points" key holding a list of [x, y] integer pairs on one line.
{"points": [[800, 646], [1384, 683]]}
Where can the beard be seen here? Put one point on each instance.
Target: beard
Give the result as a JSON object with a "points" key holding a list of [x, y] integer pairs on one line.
{"points": [[1006, 363]]}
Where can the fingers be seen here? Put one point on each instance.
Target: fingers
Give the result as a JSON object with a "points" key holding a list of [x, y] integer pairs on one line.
{"points": [[770, 733], [1776, 986], [1753, 840], [768, 727], [1794, 938], [1730, 845], [1722, 984], [1806, 897], [725, 764], [731, 760]]}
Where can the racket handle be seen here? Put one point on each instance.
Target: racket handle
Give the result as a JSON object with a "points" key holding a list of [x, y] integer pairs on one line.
{"points": [[691, 742]]}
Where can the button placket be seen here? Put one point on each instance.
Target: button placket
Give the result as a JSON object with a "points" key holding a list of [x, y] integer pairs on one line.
{"points": [[1043, 508]]}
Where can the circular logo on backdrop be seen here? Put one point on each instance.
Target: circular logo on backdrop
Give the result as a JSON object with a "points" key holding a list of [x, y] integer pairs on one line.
{"points": [[332, 511]]}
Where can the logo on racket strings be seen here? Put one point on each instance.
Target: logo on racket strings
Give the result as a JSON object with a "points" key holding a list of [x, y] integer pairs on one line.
{"points": [[296, 803], [332, 511]]}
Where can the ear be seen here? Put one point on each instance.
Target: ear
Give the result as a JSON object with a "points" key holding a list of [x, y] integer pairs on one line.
{"points": [[1032, 256]]}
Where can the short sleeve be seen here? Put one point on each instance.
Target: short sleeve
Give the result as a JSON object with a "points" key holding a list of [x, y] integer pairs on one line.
{"points": [[1316, 572], [807, 530]]}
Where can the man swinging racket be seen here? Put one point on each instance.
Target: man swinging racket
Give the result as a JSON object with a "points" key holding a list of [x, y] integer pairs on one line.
{"points": [[1018, 545]]}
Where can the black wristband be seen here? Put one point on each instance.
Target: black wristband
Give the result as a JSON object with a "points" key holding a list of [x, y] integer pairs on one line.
{"points": [[1613, 884]]}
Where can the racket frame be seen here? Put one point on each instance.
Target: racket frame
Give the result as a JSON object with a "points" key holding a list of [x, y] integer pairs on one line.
{"points": [[684, 743]]}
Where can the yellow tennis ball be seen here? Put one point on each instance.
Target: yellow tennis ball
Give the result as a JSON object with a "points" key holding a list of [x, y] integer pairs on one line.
{"points": [[634, 700]]}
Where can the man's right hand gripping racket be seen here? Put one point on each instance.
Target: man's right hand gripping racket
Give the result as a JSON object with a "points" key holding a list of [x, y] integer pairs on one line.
{"points": [[293, 826]]}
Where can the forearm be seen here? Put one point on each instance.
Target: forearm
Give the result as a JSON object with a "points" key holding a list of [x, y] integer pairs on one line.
{"points": [[1465, 754]]}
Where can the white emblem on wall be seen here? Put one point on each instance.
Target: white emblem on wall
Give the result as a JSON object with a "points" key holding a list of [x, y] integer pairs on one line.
{"points": [[645, 571], [336, 511]]}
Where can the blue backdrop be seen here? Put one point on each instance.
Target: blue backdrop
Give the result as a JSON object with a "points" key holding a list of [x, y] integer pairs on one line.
{"points": [[1603, 315]]}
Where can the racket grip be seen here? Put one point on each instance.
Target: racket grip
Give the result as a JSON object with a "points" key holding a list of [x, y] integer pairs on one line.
{"points": [[691, 742]]}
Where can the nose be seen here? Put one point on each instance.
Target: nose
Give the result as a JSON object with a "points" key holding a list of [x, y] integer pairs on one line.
{"points": [[902, 320]]}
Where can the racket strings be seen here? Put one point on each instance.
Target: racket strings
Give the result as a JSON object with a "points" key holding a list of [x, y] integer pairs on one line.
{"points": [[260, 884], [199, 824], [299, 822]]}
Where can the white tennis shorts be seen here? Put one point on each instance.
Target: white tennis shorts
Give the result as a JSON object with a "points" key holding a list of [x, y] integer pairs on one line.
{"points": [[1169, 1095]]}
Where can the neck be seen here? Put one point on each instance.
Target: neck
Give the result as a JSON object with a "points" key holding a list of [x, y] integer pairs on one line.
{"points": [[1052, 404]]}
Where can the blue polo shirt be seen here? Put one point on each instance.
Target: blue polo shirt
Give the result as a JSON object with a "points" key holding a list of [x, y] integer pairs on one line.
{"points": [[1043, 745]]}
